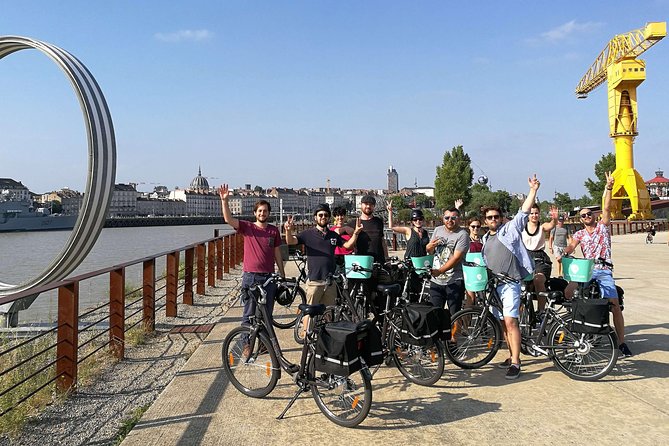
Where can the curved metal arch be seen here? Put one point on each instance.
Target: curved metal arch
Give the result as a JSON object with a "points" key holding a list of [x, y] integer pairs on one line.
{"points": [[101, 162]]}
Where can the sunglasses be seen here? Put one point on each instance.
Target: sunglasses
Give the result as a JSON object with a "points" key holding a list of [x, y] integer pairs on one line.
{"points": [[450, 217], [417, 219], [474, 226], [322, 215], [493, 217], [586, 215]]}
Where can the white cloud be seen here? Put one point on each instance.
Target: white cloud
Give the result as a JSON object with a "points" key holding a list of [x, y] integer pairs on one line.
{"points": [[185, 35], [566, 31]]}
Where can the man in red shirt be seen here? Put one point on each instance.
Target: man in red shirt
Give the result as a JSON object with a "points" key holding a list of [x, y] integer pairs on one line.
{"points": [[262, 243]]}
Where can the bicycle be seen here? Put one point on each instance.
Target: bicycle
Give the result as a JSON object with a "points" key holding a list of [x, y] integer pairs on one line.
{"points": [[289, 295], [253, 360], [579, 355]]}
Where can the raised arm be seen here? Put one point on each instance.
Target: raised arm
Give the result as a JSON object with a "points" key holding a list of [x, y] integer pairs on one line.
{"points": [[350, 243], [224, 193], [288, 229], [534, 184], [549, 225], [400, 229], [608, 190]]}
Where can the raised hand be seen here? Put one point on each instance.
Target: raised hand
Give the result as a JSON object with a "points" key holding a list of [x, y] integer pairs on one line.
{"points": [[289, 225], [533, 182], [609, 179], [224, 191], [554, 212], [458, 203], [389, 206], [358, 226]]}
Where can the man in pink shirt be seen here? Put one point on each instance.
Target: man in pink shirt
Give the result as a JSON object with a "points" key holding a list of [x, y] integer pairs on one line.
{"points": [[262, 243]]}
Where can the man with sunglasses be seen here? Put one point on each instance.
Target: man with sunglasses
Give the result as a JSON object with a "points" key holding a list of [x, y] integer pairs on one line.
{"points": [[320, 243], [505, 255], [595, 241], [449, 244]]}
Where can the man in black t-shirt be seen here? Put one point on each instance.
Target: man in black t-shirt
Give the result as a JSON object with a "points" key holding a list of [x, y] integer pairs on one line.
{"points": [[320, 243], [371, 241]]}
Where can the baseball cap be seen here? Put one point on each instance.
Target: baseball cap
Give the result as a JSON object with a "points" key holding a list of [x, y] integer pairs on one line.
{"points": [[368, 199]]}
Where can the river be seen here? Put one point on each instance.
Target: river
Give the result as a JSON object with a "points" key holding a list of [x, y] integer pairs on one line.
{"points": [[23, 255]]}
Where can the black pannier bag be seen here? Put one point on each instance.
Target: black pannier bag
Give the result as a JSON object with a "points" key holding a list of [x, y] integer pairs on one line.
{"points": [[337, 348], [423, 323], [372, 347], [590, 316]]}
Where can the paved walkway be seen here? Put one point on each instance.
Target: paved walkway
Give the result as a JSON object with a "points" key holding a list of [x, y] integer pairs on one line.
{"points": [[465, 407]]}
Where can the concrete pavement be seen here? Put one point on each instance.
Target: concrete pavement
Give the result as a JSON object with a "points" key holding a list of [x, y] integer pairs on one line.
{"points": [[465, 407]]}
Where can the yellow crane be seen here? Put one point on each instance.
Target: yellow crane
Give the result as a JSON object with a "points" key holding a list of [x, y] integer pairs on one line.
{"points": [[618, 64]]}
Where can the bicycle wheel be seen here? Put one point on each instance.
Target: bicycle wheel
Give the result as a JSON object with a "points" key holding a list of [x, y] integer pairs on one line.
{"points": [[525, 323], [255, 376], [587, 359], [344, 400], [285, 306], [474, 339], [421, 365]]}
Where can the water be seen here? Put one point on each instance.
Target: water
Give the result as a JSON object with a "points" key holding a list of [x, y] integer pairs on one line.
{"points": [[23, 255]]}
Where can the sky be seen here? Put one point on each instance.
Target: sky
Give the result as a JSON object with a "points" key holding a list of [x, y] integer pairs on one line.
{"points": [[293, 93]]}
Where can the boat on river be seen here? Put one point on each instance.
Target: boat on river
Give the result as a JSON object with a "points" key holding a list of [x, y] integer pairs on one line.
{"points": [[22, 216]]}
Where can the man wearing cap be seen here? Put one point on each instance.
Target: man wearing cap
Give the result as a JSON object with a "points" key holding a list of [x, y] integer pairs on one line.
{"points": [[320, 243], [371, 241], [557, 241]]}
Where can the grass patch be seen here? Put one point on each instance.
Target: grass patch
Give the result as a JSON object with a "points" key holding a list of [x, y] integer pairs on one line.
{"points": [[128, 423]]}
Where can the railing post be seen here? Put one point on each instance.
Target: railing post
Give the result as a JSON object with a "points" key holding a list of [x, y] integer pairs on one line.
{"points": [[211, 263], [149, 294], [68, 336], [200, 269], [172, 279], [394, 242], [188, 276], [117, 312], [219, 258], [227, 260]]}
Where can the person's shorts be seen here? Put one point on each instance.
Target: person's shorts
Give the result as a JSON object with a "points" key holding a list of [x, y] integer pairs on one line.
{"points": [[606, 284], [558, 251], [509, 293], [542, 263], [319, 293]]}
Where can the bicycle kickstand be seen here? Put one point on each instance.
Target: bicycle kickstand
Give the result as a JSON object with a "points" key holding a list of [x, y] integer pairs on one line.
{"points": [[291, 402]]}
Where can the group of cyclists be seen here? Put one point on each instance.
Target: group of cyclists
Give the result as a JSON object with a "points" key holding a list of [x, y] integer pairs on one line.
{"points": [[513, 248]]}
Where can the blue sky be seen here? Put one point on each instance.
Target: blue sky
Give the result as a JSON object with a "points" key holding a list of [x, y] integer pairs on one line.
{"points": [[291, 93]]}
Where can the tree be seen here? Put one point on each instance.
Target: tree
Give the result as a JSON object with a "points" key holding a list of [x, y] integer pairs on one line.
{"points": [[454, 178], [564, 201], [607, 163], [398, 202], [482, 196], [56, 207]]}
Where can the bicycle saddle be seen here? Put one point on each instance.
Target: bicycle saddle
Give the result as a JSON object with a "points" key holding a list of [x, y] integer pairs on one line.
{"points": [[392, 290], [312, 310]]}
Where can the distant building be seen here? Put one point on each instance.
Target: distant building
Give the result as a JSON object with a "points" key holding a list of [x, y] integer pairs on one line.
{"points": [[123, 201], [200, 200], [70, 200], [160, 207], [393, 181], [13, 190], [659, 185]]}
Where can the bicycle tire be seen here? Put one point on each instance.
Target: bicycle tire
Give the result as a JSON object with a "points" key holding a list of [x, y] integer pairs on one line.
{"points": [[472, 344], [419, 364], [257, 376], [344, 400], [590, 361], [285, 316]]}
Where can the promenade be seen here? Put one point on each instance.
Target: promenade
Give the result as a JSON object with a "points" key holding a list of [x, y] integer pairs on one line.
{"points": [[465, 407]]}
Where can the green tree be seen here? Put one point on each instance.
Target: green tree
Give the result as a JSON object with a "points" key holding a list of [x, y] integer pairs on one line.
{"points": [[563, 201], [423, 201], [56, 207], [398, 202], [482, 196], [607, 163], [454, 178]]}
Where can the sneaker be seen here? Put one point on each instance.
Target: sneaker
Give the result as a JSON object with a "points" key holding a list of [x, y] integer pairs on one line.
{"points": [[625, 352], [513, 371], [504, 365]]}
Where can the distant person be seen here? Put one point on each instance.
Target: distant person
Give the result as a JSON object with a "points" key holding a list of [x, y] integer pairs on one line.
{"points": [[449, 244], [505, 254], [417, 239], [339, 217], [262, 242], [475, 243], [595, 241], [534, 239], [371, 241], [320, 243], [558, 240]]}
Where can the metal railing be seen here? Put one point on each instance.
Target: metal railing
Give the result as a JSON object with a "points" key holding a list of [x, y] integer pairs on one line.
{"points": [[53, 357]]}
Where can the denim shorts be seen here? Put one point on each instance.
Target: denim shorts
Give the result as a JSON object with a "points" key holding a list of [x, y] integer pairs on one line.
{"points": [[606, 285], [509, 293]]}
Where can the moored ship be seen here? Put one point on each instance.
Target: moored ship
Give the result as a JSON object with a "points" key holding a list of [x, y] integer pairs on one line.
{"points": [[22, 216]]}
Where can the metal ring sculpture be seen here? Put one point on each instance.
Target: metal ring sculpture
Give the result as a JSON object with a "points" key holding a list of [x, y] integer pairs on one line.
{"points": [[101, 162]]}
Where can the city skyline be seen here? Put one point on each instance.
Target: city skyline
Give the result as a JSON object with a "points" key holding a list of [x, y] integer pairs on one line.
{"points": [[292, 94]]}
